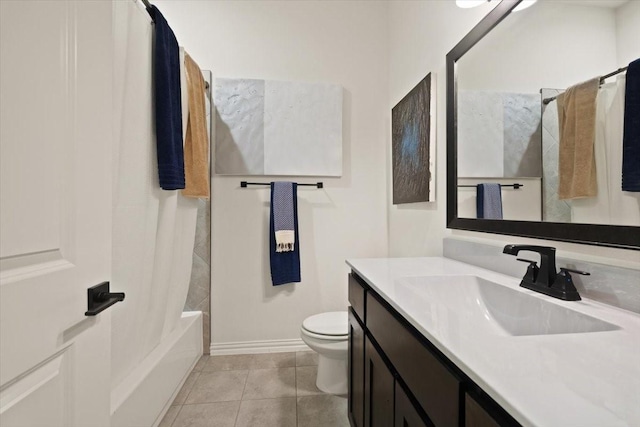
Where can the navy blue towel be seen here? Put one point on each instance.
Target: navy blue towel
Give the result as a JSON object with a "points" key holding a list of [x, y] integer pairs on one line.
{"points": [[489, 201], [631, 138], [285, 266], [168, 105]]}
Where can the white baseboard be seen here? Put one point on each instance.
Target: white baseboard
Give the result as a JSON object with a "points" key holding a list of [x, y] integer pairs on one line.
{"points": [[253, 347]]}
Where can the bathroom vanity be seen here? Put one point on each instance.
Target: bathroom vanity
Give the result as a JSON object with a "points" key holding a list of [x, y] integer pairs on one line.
{"points": [[433, 341]]}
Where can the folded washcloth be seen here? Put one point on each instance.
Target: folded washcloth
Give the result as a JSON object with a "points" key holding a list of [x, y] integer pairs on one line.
{"points": [[196, 144], [285, 266], [168, 105], [283, 215], [577, 118], [631, 138], [489, 201]]}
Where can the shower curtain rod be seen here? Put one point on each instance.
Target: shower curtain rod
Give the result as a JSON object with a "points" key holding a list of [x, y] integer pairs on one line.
{"points": [[147, 5], [244, 184], [602, 79], [515, 186]]}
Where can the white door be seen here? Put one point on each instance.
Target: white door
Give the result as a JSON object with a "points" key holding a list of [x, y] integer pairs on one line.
{"points": [[55, 211]]}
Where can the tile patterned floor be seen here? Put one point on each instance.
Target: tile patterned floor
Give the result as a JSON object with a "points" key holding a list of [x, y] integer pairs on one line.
{"points": [[256, 390]]}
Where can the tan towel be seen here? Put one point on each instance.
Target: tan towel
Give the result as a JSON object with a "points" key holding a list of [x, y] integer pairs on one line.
{"points": [[196, 144], [577, 119]]}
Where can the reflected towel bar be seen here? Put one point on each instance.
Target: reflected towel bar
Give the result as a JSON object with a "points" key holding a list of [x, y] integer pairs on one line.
{"points": [[514, 186], [244, 184]]}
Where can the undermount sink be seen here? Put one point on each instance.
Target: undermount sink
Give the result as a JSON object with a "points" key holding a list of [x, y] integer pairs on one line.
{"points": [[495, 306]]}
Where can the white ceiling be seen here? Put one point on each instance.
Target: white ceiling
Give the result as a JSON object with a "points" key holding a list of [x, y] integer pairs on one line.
{"points": [[611, 4]]}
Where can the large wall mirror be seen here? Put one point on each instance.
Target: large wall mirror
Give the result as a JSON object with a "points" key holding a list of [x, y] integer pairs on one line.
{"points": [[503, 127]]}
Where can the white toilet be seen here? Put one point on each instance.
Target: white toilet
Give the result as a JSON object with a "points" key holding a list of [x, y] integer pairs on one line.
{"points": [[328, 335]]}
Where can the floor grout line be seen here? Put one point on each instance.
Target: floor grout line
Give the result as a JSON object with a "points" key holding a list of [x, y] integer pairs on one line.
{"points": [[175, 418], [191, 389], [295, 377], [277, 407], [244, 386]]}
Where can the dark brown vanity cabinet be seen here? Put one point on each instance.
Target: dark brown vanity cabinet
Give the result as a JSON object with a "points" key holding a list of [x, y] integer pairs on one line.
{"points": [[476, 415], [398, 378], [378, 389], [356, 371], [406, 414]]}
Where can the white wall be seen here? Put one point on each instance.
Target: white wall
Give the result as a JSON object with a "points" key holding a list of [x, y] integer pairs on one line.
{"points": [[343, 43], [628, 32], [550, 45], [421, 34]]}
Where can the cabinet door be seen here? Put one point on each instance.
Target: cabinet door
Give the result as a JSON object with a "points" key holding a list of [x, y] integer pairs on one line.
{"points": [[406, 415], [378, 389], [476, 416], [356, 371]]}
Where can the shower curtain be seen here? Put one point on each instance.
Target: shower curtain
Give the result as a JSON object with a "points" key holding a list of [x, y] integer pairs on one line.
{"points": [[153, 229]]}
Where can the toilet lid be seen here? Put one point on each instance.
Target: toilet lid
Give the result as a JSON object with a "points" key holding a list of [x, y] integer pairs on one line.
{"points": [[334, 323]]}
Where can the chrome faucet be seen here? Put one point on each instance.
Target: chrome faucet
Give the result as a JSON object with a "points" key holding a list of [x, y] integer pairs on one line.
{"points": [[545, 279]]}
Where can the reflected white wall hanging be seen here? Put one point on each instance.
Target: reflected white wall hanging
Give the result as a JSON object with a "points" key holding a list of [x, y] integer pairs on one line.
{"points": [[413, 145], [265, 127]]}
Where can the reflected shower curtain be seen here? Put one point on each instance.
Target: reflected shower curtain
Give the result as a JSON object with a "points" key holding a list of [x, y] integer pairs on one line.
{"points": [[611, 205], [153, 229]]}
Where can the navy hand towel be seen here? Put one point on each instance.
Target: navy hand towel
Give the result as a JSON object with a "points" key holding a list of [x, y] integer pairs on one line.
{"points": [[631, 136], [285, 266], [282, 208], [489, 201], [168, 105]]}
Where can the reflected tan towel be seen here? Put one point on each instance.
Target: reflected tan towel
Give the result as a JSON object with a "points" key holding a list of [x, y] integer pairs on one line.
{"points": [[196, 144], [577, 119]]}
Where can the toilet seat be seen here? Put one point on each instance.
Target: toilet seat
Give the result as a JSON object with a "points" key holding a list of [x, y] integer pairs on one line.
{"points": [[325, 337], [333, 325]]}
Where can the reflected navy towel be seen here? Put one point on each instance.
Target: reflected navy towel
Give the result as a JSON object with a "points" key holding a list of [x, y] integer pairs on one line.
{"points": [[631, 138], [168, 105], [285, 266], [489, 201]]}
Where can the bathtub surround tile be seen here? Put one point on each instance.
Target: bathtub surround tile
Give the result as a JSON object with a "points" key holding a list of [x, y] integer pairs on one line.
{"points": [[270, 383], [306, 358], [200, 281], [205, 307], [306, 381], [202, 245], [221, 414], [181, 397], [170, 416], [321, 411], [217, 387], [199, 284], [267, 413]]}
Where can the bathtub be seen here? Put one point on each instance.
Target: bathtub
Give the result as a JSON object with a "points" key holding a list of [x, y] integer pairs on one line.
{"points": [[142, 399]]}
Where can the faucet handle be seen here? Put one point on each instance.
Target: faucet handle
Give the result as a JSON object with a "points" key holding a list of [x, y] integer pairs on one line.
{"points": [[532, 271], [564, 270]]}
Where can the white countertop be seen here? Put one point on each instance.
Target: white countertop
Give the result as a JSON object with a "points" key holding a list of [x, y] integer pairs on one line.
{"points": [[560, 380]]}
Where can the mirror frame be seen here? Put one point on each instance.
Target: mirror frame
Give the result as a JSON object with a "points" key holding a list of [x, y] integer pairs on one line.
{"points": [[626, 237]]}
